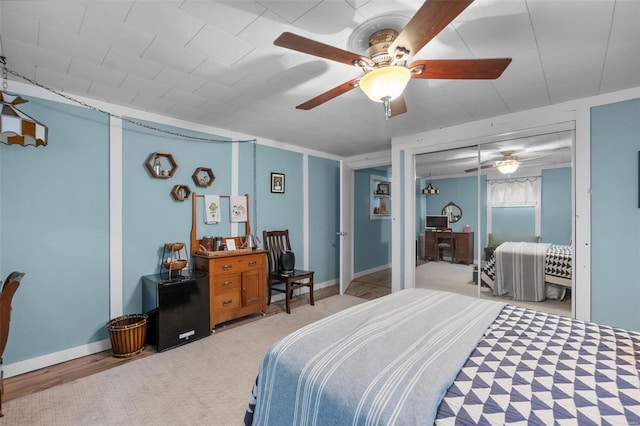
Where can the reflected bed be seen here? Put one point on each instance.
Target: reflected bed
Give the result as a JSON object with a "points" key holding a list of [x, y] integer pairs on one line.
{"points": [[556, 272]]}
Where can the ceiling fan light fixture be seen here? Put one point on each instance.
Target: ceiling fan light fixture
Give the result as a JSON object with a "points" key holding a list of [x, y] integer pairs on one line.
{"points": [[386, 82], [507, 166]]}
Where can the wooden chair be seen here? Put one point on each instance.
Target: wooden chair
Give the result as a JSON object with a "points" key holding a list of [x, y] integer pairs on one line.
{"points": [[445, 242], [8, 290], [275, 242]]}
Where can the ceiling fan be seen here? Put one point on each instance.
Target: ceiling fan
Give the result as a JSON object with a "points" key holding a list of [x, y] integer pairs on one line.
{"points": [[386, 72], [506, 164]]}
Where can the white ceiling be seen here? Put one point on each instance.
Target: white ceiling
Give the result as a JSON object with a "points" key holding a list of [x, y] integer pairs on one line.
{"points": [[214, 62], [534, 153]]}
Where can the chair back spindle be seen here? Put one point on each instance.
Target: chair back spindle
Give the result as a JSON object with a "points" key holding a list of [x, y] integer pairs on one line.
{"points": [[445, 242]]}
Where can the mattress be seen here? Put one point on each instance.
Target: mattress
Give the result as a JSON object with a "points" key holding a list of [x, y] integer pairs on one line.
{"points": [[524, 367], [558, 266]]}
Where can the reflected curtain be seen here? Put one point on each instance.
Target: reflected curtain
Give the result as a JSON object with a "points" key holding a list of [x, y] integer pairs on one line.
{"points": [[513, 192]]}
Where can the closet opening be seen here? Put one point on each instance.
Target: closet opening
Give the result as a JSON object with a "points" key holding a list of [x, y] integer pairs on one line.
{"points": [[499, 198]]}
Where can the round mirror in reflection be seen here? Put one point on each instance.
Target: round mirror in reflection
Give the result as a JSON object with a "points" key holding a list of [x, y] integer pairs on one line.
{"points": [[453, 211]]}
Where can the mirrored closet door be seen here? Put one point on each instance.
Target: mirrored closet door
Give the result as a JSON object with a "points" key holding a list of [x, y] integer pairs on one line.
{"points": [[509, 191]]}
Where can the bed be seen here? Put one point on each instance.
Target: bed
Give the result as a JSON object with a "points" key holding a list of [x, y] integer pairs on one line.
{"points": [[555, 275], [421, 356]]}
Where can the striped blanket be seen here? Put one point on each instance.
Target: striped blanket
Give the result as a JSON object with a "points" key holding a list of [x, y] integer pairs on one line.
{"points": [[520, 271], [558, 271], [387, 361]]}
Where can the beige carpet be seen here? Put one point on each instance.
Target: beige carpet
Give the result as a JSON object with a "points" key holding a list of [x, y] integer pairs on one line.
{"points": [[458, 278], [206, 382]]}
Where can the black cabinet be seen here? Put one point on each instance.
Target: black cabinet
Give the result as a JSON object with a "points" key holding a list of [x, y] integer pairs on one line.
{"points": [[178, 308]]}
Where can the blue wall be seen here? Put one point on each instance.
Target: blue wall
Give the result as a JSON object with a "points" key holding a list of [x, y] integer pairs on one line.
{"points": [[277, 210], [151, 216], [556, 206], [54, 217], [55, 227], [615, 277], [513, 221], [462, 191], [372, 237]]}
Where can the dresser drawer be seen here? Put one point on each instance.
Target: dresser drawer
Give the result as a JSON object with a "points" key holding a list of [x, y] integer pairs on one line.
{"points": [[225, 307], [227, 282], [226, 302], [239, 263]]}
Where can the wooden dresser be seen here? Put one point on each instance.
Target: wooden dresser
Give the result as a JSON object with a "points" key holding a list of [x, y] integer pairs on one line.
{"points": [[462, 240], [237, 284]]}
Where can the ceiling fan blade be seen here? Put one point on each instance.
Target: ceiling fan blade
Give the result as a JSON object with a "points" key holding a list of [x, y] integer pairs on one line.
{"points": [[312, 47], [484, 166], [398, 106], [428, 21], [457, 69], [330, 94], [537, 157]]}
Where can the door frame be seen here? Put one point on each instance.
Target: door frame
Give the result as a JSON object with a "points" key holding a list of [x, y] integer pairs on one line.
{"points": [[345, 233], [348, 167]]}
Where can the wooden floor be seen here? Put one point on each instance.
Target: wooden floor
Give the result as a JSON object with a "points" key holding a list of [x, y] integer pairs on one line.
{"points": [[367, 287], [371, 286]]}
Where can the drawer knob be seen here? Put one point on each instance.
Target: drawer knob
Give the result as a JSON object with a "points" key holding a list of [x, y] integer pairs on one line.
{"points": [[252, 263], [227, 266], [227, 283], [227, 303]]}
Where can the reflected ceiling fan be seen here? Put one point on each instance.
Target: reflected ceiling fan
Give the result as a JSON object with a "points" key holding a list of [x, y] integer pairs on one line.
{"points": [[507, 164], [386, 72]]}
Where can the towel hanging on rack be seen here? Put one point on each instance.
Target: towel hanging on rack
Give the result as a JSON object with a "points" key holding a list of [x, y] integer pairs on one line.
{"points": [[238, 205], [211, 209]]}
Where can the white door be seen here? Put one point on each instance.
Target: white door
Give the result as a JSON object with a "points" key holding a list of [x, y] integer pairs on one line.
{"points": [[346, 219]]}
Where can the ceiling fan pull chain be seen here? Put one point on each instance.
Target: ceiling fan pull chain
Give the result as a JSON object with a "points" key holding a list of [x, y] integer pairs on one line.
{"points": [[3, 62], [386, 102]]}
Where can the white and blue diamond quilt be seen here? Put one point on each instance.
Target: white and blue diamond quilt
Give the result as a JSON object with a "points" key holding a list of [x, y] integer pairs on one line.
{"points": [[538, 368]]}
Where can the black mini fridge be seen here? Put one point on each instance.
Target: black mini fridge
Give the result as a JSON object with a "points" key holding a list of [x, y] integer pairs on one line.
{"points": [[178, 308]]}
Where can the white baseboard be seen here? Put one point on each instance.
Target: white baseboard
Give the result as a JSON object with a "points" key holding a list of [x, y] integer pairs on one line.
{"points": [[303, 290], [371, 271], [54, 358], [47, 360]]}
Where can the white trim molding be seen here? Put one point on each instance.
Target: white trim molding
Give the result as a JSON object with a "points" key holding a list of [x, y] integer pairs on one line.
{"points": [[53, 358], [115, 218]]}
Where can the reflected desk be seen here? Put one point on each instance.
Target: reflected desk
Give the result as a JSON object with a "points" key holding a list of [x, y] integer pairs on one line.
{"points": [[463, 242]]}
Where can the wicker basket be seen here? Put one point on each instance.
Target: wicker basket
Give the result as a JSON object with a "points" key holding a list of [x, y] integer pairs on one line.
{"points": [[128, 334], [175, 265], [173, 246]]}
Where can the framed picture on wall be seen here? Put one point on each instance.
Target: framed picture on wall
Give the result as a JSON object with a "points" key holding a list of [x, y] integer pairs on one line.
{"points": [[383, 189], [277, 183]]}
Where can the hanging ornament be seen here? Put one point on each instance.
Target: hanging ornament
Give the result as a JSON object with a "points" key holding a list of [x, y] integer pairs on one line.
{"points": [[430, 190], [16, 127]]}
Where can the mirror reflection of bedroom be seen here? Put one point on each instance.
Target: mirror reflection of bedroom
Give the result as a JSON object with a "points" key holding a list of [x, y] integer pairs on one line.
{"points": [[508, 207]]}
